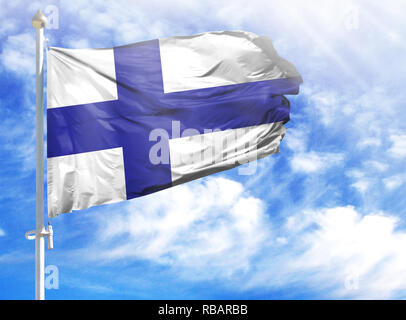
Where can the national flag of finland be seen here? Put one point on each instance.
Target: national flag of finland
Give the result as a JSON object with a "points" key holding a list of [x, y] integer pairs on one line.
{"points": [[131, 120]]}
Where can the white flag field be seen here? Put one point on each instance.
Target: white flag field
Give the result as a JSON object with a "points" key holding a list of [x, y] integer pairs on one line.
{"points": [[128, 121]]}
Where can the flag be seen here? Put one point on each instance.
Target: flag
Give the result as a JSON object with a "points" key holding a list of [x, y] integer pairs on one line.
{"points": [[128, 121]]}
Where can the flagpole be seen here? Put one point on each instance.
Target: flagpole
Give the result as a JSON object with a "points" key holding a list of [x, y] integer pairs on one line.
{"points": [[39, 21]]}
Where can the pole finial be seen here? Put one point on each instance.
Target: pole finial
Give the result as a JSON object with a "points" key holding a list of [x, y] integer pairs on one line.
{"points": [[39, 20]]}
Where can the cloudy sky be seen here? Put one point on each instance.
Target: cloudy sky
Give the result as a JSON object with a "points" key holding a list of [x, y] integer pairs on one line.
{"points": [[325, 218]]}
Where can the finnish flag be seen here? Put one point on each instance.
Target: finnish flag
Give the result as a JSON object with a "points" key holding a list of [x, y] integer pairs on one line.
{"points": [[128, 121]]}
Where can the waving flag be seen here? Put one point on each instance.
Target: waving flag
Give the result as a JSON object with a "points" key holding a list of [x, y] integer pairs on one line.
{"points": [[131, 120]]}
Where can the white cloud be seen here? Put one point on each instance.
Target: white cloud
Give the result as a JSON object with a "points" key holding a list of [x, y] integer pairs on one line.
{"points": [[2, 233], [17, 128], [394, 182], [361, 185], [327, 247], [326, 103], [18, 138], [296, 139], [398, 148], [362, 182], [376, 165], [78, 44], [356, 114], [369, 142], [16, 257], [348, 242], [83, 284], [7, 26], [214, 227], [215, 230], [18, 54], [124, 22], [314, 162], [356, 123]]}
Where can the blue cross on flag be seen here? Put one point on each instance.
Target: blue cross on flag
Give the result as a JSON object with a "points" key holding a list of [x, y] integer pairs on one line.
{"points": [[128, 121]]}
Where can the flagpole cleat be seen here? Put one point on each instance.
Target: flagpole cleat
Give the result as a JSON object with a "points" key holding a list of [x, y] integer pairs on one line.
{"points": [[50, 237], [48, 232]]}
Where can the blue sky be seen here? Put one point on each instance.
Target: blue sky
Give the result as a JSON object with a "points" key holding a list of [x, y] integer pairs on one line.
{"points": [[324, 219]]}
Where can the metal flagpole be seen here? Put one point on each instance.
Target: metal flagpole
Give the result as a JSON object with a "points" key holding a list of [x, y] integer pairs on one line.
{"points": [[39, 21]]}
